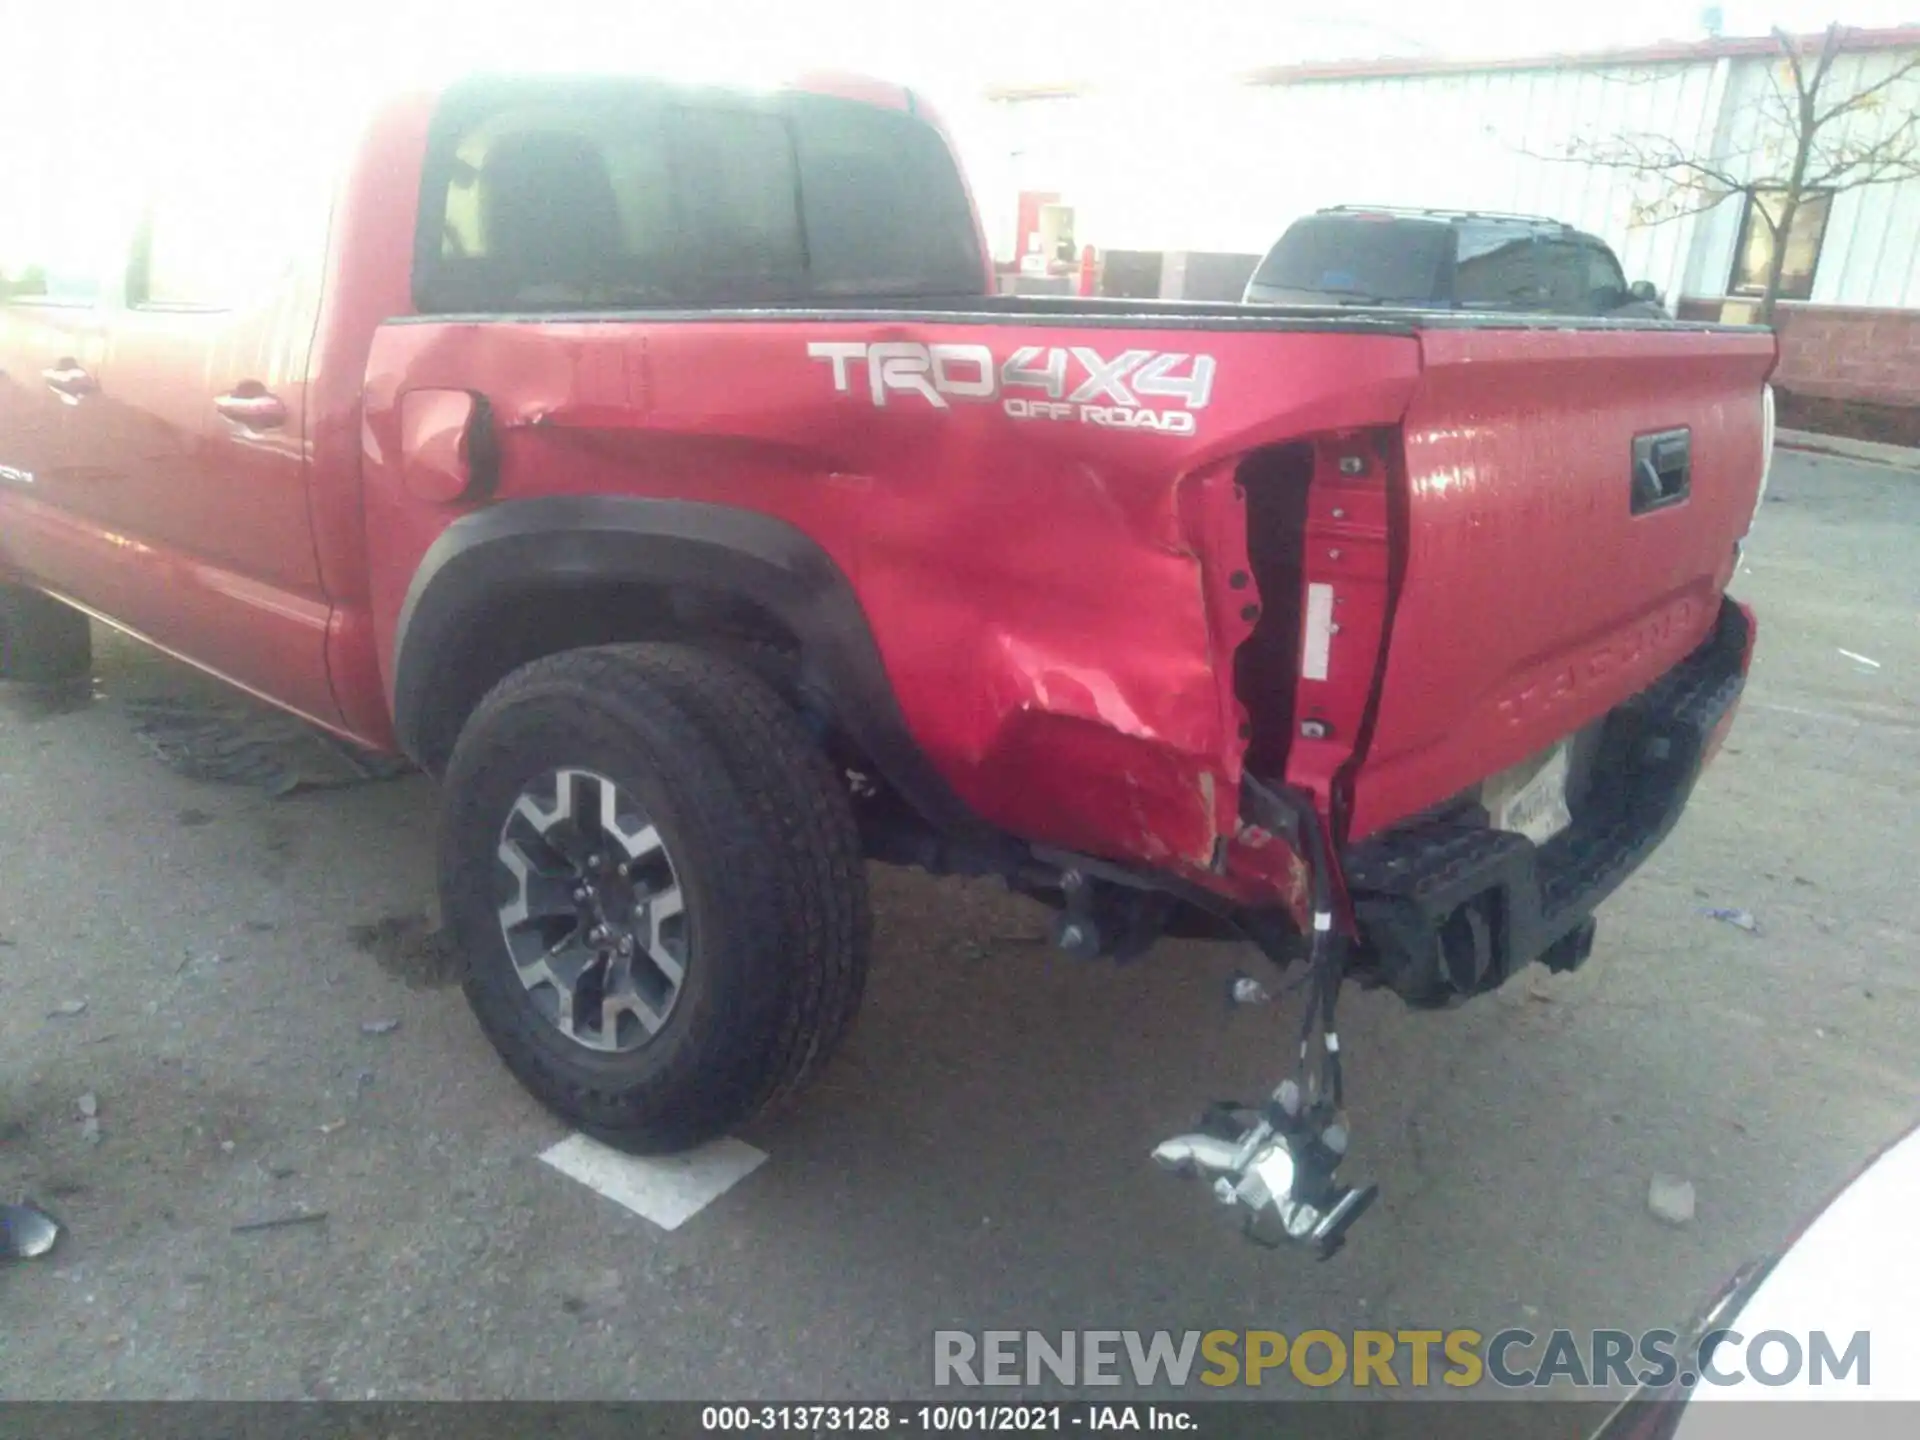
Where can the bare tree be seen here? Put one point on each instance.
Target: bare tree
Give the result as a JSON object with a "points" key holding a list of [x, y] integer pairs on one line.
{"points": [[1817, 136]]}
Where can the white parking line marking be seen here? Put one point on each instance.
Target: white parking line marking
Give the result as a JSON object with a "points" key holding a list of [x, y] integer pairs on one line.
{"points": [[669, 1190]]}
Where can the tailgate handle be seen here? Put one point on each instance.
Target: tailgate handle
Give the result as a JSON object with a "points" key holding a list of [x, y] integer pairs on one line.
{"points": [[1662, 469]]}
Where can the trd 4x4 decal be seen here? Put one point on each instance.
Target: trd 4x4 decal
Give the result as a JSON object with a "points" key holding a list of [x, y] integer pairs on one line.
{"points": [[1071, 383]]}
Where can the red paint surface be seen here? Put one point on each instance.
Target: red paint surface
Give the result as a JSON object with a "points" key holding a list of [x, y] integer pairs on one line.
{"points": [[1053, 600], [1531, 600], [435, 465], [1048, 597]]}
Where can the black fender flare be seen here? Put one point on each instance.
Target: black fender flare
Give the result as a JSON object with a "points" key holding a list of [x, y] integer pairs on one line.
{"points": [[529, 545]]}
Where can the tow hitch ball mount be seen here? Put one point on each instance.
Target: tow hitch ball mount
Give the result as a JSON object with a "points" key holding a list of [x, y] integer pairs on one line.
{"points": [[1277, 1166]]}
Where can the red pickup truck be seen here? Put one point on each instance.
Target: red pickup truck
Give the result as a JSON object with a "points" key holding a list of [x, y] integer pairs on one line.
{"points": [[655, 466]]}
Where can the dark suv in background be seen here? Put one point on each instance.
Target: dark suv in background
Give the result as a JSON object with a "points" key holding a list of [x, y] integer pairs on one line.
{"points": [[1447, 260]]}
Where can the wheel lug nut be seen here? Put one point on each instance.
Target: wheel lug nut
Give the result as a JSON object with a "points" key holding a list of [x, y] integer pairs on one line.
{"points": [[599, 862], [623, 871], [626, 944]]}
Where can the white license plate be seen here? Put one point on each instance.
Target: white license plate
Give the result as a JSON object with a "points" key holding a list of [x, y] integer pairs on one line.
{"points": [[1531, 800]]}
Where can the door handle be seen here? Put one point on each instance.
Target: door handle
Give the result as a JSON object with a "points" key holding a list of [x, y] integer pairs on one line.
{"points": [[252, 407], [67, 380]]}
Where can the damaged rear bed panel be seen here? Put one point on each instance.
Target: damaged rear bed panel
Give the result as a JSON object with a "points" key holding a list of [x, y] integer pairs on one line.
{"points": [[1045, 523], [1042, 522]]}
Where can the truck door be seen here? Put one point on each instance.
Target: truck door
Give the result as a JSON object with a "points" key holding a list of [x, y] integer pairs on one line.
{"points": [[51, 342], [203, 390]]}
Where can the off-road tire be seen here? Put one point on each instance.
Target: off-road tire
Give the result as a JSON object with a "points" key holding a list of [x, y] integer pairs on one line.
{"points": [[776, 931], [805, 810], [42, 642]]}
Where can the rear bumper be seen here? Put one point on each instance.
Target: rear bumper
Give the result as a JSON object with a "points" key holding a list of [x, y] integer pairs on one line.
{"points": [[1447, 906]]}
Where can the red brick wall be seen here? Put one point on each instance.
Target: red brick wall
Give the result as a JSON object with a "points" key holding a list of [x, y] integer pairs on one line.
{"points": [[1839, 352], [1842, 353]]}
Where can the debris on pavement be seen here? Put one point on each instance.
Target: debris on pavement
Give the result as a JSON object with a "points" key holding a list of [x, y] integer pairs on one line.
{"points": [[281, 1222], [233, 743], [1245, 990], [327, 1127], [378, 1027], [89, 1108], [67, 1008], [26, 1231], [1740, 919], [1861, 659], [1670, 1199]]}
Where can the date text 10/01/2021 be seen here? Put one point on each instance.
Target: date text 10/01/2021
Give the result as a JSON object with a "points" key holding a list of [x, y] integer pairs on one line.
{"points": [[943, 1419]]}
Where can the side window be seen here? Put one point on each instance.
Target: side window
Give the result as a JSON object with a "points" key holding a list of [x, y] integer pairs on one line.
{"points": [[180, 258], [1578, 279], [203, 245], [66, 215], [1606, 282], [35, 283], [54, 267], [1503, 276], [1515, 270]]}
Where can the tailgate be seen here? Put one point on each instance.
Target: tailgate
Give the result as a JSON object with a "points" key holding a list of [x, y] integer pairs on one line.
{"points": [[1540, 586]]}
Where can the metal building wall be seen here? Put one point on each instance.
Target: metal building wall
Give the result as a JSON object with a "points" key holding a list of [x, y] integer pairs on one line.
{"points": [[1871, 252], [1225, 168]]}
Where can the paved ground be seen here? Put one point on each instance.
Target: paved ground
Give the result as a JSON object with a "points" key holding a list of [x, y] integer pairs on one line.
{"points": [[978, 1157]]}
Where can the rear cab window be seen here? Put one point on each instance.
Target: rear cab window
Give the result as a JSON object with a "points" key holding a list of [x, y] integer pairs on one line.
{"points": [[574, 194], [1382, 259], [1500, 264]]}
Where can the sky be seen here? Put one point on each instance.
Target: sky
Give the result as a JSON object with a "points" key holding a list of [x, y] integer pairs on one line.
{"points": [[946, 46], [139, 80]]}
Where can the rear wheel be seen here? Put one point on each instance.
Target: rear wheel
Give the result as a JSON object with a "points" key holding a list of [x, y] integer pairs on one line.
{"points": [[42, 642], [803, 807], [663, 923]]}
